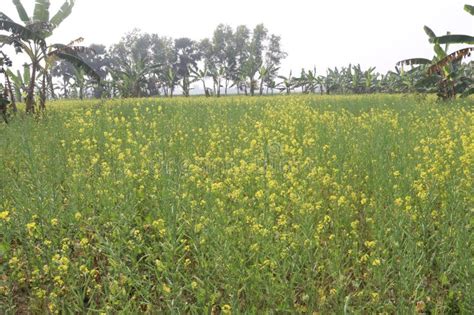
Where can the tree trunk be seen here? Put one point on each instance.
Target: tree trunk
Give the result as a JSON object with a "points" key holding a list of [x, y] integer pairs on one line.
{"points": [[30, 101], [252, 86], [51, 86], [205, 88], [43, 92], [12, 97], [187, 86], [64, 89], [81, 92]]}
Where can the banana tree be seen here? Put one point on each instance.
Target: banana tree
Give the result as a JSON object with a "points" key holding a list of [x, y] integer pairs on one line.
{"points": [[313, 81], [31, 37], [217, 75], [445, 72], [288, 83], [309, 81], [6, 94], [333, 81], [370, 80], [187, 81], [170, 79], [239, 81], [448, 66], [201, 75], [20, 81], [132, 78], [455, 38], [265, 74]]}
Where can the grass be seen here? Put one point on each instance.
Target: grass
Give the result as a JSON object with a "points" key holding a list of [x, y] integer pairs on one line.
{"points": [[341, 204]]}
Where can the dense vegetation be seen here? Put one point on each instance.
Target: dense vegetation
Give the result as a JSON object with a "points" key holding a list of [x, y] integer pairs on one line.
{"points": [[315, 203], [237, 60], [302, 203]]}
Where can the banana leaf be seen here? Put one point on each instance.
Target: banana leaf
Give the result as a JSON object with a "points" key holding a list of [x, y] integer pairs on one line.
{"points": [[429, 32], [62, 14], [453, 57], [453, 39], [21, 11], [414, 62], [77, 62], [73, 50], [41, 12], [469, 9], [6, 24]]}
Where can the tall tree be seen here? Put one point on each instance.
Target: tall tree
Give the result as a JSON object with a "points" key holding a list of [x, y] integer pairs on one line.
{"points": [[241, 50], [188, 56], [273, 58], [255, 57], [164, 56]]}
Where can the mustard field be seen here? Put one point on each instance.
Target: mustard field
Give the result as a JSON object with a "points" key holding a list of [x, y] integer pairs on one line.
{"points": [[298, 204]]}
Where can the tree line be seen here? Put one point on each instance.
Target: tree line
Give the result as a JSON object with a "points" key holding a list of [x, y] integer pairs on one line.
{"points": [[233, 60]]}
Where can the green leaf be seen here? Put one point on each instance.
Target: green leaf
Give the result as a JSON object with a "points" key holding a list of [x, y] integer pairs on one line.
{"points": [[429, 32], [13, 77], [26, 73], [21, 11], [453, 39], [10, 40], [17, 30], [468, 92], [440, 53], [3, 16], [62, 14], [469, 9], [4, 249], [77, 62], [414, 62], [41, 12]]}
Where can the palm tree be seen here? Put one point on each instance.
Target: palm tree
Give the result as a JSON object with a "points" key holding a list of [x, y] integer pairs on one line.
{"points": [[30, 38]]}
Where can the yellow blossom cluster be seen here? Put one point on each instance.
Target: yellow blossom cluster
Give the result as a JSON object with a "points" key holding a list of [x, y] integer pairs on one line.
{"points": [[299, 204]]}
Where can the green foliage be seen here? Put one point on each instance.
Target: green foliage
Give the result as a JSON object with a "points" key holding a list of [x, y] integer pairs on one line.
{"points": [[41, 11], [62, 14], [300, 204], [75, 60], [469, 9], [21, 11], [454, 39], [446, 74], [38, 29]]}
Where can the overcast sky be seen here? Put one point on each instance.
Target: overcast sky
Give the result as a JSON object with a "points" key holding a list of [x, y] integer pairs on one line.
{"points": [[321, 33]]}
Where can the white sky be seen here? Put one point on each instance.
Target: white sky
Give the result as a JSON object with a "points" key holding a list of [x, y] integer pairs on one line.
{"points": [[314, 32]]}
